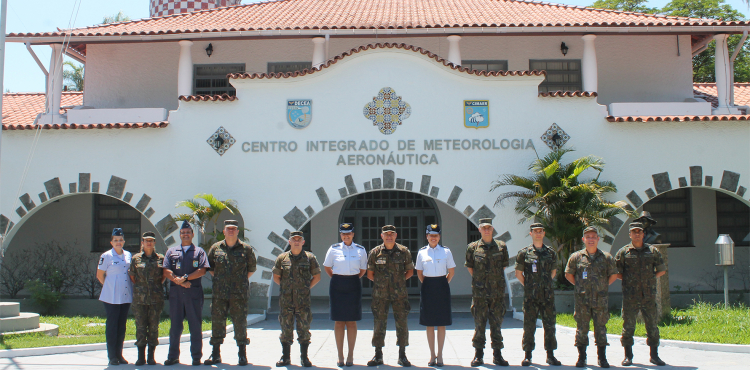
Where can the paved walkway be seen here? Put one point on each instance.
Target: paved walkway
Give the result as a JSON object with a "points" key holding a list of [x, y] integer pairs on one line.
{"points": [[265, 350]]}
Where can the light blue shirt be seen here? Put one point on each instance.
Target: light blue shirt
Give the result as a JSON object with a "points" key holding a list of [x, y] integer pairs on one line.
{"points": [[117, 289], [434, 261], [346, 259]]}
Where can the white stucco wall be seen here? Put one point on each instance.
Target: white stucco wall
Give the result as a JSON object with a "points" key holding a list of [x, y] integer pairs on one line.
{"points": [[631, 68], [170, 164]]}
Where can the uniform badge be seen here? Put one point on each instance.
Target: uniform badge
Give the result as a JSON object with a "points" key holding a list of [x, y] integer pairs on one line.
{"points": [[387, 111], [380, 261], [299, 113], [101, 261], [477, 113], [195, 264]]}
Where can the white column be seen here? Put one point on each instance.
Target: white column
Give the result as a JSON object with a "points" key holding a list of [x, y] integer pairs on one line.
{"points": [[185, 69], [319, 53], [589, 71], [724, 73], [454, 51], [55, 80]]}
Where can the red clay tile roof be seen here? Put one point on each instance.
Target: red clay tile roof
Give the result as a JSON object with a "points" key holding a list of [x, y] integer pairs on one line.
{"points": [[677, 118], [707, 91], [20, 111], [382, 14], [386, 45], [569, 94], [222, 97]]}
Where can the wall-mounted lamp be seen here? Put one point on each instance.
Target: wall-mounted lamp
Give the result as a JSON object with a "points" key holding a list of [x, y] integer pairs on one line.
{"points": [[563, 48], [210, 50]]}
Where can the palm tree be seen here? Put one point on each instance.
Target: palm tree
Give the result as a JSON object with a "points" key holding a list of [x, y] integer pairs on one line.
{"points": [[204, 215], [119, 17], [73, 78], [557, 197]]}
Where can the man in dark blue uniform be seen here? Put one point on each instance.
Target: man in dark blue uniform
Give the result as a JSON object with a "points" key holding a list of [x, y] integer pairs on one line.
{"points": [[184, 266]]}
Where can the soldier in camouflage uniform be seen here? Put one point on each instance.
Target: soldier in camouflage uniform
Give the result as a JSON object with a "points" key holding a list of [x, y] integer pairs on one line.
{"points": [[536, 267], [389, 266], [147, 274], [639, 265], [591, 270], [486, 260], [232, 263], [296, 272]]}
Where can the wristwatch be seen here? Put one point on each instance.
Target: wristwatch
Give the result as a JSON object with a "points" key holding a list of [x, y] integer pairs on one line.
{"points": [[185, 277]]}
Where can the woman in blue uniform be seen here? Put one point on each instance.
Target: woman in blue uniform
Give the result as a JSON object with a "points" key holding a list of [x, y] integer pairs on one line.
{"points": [[435, 269], [345, 263], [117, 294]]}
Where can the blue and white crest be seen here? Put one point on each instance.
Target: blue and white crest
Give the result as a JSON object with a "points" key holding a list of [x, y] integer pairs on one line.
{"points": [[477, 113], [299, 113]]}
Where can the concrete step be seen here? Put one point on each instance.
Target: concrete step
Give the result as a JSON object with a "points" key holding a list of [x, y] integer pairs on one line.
{"points": [[9, 309], [24, 321], [50, 329]]}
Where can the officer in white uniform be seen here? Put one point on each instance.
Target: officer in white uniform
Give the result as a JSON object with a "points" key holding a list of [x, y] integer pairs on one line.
{"points": [[345, 263], [117, 294], [435, 269]]}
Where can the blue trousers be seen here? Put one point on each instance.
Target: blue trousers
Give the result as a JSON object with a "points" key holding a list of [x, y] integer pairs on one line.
{"points": [[117, 317], [185, 304]]}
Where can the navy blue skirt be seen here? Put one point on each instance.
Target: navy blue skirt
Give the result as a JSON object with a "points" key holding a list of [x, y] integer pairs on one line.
{"points": [[345, 295], [435, 302]]}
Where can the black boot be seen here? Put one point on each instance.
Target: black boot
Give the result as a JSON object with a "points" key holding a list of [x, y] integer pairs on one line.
{"points": [[215, 356], [601, 352], [527, 359], [628, 356], [378, 358], [141, 356], [285, 355], [150, 360], [497, 358], [581, 357], [304, 361], [402, 360], [478, 357], [655, 356], [551, 358], [242, 355]]}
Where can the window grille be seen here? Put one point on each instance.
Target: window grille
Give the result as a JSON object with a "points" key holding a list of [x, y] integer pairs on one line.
{"points": [[562, 74], [286, 67], [211, 79], [733, 218], [672, 212], [110, 213], [486, 65]]}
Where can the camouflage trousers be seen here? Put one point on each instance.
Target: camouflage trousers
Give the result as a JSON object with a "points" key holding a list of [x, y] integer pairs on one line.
{"points": [[532, 309], [494, 310], [147, 323], [630, 309], [236, 308], [583, 314], [401, 308], [287, 318]]}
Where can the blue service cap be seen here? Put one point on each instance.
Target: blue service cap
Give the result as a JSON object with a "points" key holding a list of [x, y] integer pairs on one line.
{"points": [[346, 228], [117, 232], [433, 229], [186, 225]]}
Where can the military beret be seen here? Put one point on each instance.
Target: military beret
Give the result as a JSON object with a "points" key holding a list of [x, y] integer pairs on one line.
{"points": [[117, 232], [296, 233], [186, 225], [591, 229], [636, 225], [149, 235], [346, 228], [485, 221], [433, 229], [231, 223], [389, 229], [536, 225]]}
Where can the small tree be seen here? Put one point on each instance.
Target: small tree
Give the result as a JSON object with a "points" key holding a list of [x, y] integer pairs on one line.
{"points": [[557, 197], [86, 281], [14, 272], [59, 265], [204, 214]]}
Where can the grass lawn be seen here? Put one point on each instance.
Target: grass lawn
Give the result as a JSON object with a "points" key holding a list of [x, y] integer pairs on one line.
{"points": [[77, 330], [702, 322]]}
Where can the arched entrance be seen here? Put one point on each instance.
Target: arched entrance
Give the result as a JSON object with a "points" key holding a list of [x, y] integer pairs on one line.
{"points": [[409, 212]]}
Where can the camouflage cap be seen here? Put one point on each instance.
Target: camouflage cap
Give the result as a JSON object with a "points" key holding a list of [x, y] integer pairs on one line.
{"points": [[536, 225], [296, 233], [346, 228], [231, 223], [591, 229], [149, 235], [389, 229], [485, 221], [636, 225]]}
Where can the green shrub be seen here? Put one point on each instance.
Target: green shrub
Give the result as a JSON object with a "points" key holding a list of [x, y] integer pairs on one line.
{"points": [[47, 299]]}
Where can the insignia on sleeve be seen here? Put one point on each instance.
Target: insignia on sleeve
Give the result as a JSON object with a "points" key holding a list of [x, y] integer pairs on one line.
{"points": [[195, 264], [101, 261]]}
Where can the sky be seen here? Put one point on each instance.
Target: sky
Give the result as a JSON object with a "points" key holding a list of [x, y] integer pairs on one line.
{"points": [[47, 15]]}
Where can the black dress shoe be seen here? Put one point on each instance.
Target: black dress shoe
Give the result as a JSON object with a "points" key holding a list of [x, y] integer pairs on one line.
{"points": [[197, 362], [114, 362], [122, 360], [171, 361]]}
